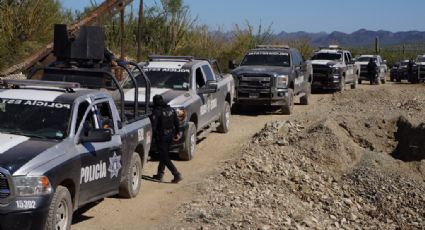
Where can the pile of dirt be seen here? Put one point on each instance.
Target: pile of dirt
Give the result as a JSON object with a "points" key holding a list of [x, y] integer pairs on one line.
{"points": [[334, 168]]}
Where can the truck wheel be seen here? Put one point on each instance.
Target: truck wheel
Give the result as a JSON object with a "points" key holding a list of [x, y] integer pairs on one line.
{"points": [[354, 85], [342, 84], [60, 210], [224, 119], [188, 150], [130, 187], [360, 81], [287, 108], [384, 79], [304, 100]]}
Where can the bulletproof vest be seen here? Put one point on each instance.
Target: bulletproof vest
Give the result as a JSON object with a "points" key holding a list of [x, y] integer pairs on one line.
{"points": [[167, 119]]}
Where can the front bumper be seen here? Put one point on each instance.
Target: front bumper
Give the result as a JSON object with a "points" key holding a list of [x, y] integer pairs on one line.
{"points": [[276, 97], [34, 217], [326, 82]]}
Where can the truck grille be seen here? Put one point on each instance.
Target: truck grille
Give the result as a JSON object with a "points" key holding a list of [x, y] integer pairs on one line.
{"points": [[321, 70], [4, 187], [255, 81]]}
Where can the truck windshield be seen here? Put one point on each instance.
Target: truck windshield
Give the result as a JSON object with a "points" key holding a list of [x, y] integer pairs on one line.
{"points": [[421, 59], [267, 59], [365, 59], [177, 79], [327, 56], [39, 119]]}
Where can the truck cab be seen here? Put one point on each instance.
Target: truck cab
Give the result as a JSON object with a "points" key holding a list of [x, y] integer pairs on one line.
{"points": [[67, 139], [201, 95], [362, 62], [333, 68], [272, 75]]}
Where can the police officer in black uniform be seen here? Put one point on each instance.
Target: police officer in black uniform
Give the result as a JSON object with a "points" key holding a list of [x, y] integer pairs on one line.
{"points": [[372, 71], [165, 125]]}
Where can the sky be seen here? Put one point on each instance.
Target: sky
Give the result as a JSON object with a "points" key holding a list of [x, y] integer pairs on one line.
{"points": [[301, 15]]}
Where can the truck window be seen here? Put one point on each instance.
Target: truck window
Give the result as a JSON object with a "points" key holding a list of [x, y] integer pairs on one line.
{"points": [[347, 58], [208, 73], [104, 116], [200, 80]]}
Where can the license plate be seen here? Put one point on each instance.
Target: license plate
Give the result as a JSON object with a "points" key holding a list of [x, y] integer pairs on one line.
{"points": [[254, 95]]}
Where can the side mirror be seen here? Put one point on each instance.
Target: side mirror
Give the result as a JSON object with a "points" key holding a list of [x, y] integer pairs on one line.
{"points": [[210, 87], [353, 60], [232, 64], [96, 135]]}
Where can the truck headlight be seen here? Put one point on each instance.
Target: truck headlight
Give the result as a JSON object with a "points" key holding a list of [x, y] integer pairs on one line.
{"points": [[181, 114], [32, 185], [335, 70], [282, 81]]}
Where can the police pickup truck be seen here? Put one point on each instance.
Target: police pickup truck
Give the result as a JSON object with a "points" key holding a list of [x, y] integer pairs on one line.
{"points": [[196, 88], [418, 73], [333, 68], [361, 64], [272, 75], [63, 145]]}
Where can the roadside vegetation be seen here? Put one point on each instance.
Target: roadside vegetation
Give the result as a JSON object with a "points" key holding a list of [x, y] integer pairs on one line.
{"points": [[168, 27]]}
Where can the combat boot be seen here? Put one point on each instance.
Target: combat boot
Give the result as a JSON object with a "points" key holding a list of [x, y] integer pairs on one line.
{"points": [[177, 178], [158, 177]]}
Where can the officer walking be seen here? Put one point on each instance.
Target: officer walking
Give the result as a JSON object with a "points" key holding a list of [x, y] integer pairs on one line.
{"points": [[372, 71], [166, 129]]}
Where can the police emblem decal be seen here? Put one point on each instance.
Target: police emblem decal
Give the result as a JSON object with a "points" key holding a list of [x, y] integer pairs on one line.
{"points": [[114, 165]]}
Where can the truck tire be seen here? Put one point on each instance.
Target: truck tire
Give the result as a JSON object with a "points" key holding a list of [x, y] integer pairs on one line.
{"points": [[304, 100], [342, 85], [188, 150], [224, 119], [287, 108], [130, 187], [354, 84], [60, 210], [384, 79], [360, 82]]}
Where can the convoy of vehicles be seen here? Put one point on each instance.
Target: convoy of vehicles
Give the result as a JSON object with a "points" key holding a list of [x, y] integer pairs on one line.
{"points": [[361, 65], [196, 88], [333, 68], [72, 133], [272, 75], [65, 141]]}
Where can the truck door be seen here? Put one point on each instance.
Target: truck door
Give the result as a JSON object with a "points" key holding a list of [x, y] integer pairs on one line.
{"points": [[214, 107], [349, 73], [300, 71], [101, 162], [200, 82]]}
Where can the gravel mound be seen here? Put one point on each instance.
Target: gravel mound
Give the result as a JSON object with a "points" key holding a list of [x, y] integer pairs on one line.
{"points": [[338, 168]]}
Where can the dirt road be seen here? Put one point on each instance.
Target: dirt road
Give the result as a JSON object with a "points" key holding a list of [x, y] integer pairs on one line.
{"points": [[158, 201]]}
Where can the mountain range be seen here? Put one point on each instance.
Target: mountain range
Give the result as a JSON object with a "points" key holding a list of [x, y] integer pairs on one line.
{"points": [[361, 37]]}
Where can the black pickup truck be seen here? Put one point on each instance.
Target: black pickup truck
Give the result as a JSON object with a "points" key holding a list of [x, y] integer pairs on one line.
{"points": [[64, 140], [272, 75], [196, 88]]}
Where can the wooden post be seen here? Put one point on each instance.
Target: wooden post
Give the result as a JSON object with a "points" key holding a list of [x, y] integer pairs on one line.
{"points": [[139, 33], [122, 34]]}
